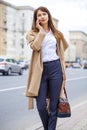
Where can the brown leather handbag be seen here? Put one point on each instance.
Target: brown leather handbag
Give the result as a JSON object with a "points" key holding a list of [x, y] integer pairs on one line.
{"points": [[64, 107]]}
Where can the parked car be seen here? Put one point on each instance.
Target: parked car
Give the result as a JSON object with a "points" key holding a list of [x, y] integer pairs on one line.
{"points": [[76, 65], [24, 63], [68, 64], [9, 65], [85, 65]]}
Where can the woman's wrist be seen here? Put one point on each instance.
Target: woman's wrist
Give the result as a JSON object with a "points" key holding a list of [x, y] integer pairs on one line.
{"points": [[42, 30]]}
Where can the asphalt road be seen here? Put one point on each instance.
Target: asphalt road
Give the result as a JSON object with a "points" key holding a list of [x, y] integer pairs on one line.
{"points": [[14, 114]]}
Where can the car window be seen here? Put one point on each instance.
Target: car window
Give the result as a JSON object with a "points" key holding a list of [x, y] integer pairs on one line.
{"points": [[14, 61], [1, 59], [8, 60]]}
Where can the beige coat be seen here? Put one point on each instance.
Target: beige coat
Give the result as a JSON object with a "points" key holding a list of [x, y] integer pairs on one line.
{"points": [[36, 66]]}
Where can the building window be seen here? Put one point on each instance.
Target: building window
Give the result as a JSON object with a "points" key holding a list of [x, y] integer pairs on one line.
{"points": [[5, 42], [74, 43], [23, 14], [84, 48], [22, 43], [14, 43]]}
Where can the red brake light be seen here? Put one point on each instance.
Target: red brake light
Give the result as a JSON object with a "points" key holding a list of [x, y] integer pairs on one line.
{"points": [[4, 63]]}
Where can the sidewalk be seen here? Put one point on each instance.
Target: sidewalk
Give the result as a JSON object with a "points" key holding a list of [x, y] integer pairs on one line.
{"points": [[78, 120]]}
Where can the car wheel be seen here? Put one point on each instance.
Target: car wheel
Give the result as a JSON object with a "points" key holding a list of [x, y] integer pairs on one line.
{"points": [[9, 72], [3, 73], [21, 72]]}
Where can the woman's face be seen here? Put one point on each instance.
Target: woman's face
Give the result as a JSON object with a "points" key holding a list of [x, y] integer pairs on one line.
{"points": [[42, 17]]}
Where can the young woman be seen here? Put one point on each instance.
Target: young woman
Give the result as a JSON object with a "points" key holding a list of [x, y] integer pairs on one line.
{"points": [[47, 69]]}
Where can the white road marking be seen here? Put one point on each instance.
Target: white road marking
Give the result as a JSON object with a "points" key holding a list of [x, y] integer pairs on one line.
{"points": [[20, 87], [9, 89], [84, 77], [79, 105]]}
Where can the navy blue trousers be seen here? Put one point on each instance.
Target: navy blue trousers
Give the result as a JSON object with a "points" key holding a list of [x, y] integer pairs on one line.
{"points": [[51, 82]]}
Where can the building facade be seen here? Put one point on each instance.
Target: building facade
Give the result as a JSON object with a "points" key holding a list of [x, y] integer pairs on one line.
{"points": [[3, 29], [79, 39], [70, 53], [15, 21]]}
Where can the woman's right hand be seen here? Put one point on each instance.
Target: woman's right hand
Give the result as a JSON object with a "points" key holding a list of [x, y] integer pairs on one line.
{"points": [[38, 25]]}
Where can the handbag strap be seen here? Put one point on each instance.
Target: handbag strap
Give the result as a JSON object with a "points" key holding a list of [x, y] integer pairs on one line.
{"points": [[65, 92]]}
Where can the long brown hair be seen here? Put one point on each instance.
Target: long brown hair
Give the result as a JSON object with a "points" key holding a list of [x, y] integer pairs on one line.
{"points": [[56, 33]]}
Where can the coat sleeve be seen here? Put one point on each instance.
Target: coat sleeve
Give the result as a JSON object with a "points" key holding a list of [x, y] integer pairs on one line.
{"points": [[35, 39]]}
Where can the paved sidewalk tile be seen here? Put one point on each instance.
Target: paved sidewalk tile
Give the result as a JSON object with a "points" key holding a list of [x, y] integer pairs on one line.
{"points": [[82, 125]]}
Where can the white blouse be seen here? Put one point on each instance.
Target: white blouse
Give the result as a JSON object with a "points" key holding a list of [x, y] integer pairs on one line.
{"points": [[49, 48]]}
